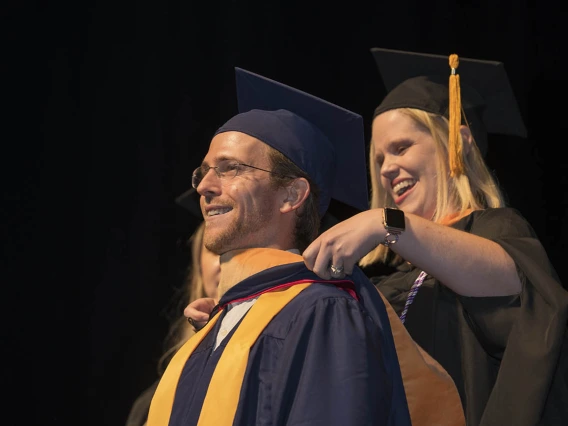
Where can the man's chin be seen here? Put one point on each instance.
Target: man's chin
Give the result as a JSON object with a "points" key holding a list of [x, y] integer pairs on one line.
{"points": [[218, 244], [218, 249], [231, 238]]}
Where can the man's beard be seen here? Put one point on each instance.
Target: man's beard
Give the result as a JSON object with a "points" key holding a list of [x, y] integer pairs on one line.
{"points": [[237, 234]]}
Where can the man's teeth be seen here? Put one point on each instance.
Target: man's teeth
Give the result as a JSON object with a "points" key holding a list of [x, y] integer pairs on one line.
{"points": [[216, 212], [401, 187]]}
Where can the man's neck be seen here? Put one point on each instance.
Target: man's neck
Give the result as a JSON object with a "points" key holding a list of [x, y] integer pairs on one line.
{"points": [[236, 265]]}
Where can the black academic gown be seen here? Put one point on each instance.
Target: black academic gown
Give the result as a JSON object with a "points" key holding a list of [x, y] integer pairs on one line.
{"points": [[507, 355], [325, 359]]}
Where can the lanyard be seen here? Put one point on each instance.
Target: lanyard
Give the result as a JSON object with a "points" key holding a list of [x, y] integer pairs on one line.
{"points": [[412, 294]]}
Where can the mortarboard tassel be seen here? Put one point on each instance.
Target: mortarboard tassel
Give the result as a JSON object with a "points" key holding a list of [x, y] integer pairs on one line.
{"points": [[455, 145]]}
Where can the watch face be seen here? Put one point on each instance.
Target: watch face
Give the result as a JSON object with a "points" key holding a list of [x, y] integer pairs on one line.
{"points": [[395, 219]]}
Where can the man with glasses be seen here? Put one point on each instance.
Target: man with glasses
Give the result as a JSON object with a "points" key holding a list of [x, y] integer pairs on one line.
{"points": [[283, 346]]}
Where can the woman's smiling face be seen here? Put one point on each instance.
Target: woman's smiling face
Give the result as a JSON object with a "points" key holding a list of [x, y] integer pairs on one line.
{"points": [[406, 162]]}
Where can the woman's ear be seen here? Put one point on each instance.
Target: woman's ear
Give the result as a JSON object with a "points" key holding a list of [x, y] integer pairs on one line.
{"points": [[467, 138], [295, 195]]}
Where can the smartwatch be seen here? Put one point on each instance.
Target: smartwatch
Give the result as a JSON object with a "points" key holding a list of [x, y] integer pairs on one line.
{"points": [[395, 224]]}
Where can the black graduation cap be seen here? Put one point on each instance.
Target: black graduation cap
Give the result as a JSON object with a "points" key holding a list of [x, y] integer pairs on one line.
{"points": [[189, 200], [419, 80], [324, 140]]}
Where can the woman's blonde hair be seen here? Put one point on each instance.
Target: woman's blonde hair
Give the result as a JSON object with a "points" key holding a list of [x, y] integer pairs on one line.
{"points": [[475, 189], [180, 330]]}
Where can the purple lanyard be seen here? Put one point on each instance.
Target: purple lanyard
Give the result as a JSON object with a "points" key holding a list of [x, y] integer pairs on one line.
{"points": [[412, 294]]}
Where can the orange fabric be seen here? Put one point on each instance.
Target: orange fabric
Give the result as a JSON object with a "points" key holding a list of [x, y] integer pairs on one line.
{"points": [[455, 145], [454, 217], [236, 265], [431, 393], [163, 400], [225, 387]]}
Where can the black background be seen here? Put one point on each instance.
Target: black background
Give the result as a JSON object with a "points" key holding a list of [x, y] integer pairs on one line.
{"points": [[110, 106]]}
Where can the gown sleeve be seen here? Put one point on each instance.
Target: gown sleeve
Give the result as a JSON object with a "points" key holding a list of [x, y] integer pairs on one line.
{"points": [[525, 332], [493, 318]]}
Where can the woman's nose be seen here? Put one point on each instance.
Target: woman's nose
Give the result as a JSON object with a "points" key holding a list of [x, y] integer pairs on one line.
{"points": [[389, 168]]}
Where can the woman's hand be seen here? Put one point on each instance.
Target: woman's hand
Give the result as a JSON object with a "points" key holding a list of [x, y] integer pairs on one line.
{"points": [[345, 243], [197, 312]]}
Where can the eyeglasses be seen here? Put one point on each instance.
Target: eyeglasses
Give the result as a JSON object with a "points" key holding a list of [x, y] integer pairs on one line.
{"points": [[226, 171]]}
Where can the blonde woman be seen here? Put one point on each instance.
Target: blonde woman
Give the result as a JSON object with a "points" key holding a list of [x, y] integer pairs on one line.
{"points": [[471, 281]]}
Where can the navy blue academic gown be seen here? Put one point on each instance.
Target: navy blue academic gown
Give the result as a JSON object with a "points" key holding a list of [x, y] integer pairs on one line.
{"points": [[325, 359]]}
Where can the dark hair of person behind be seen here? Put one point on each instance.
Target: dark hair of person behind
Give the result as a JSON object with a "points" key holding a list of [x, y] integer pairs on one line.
{"points": [[308, 222]]}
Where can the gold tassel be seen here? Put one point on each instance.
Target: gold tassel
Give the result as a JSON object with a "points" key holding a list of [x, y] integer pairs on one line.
{"points": [[455, 144]]}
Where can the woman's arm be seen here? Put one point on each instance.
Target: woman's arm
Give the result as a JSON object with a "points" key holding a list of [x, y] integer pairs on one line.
{"points": [[468, 264]]}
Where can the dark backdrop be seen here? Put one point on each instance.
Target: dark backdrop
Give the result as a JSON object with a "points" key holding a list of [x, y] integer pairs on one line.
{"points": [[113, 104]]}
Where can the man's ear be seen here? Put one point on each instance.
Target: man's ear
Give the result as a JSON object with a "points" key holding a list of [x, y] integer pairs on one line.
{"points": [[295, 195], [467, 139]]}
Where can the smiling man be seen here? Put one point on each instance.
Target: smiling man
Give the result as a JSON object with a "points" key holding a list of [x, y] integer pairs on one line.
{"points": [[284, 347], [243, 212]]}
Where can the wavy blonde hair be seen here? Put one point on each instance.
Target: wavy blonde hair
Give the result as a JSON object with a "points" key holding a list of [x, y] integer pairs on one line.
{"points": [[180, 330], [475, 189]]}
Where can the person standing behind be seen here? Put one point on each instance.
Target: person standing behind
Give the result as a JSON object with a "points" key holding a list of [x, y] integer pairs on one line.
{"points": [[284, 347], [201, 281], [472, 282]]}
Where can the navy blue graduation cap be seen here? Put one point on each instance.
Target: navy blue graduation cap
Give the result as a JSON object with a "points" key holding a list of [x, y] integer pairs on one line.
{"points": [[324, 140], [418, 80]]}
